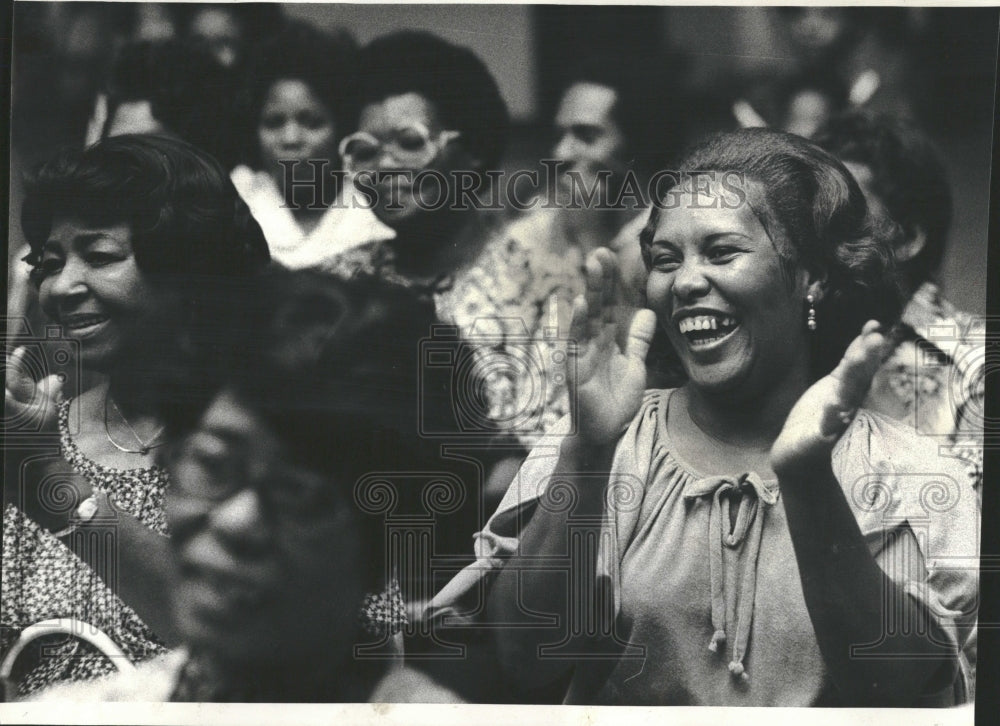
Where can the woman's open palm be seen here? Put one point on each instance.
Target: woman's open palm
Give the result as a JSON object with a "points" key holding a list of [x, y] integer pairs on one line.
{"points": [[29, 404], [607, 383], [821, 415]]}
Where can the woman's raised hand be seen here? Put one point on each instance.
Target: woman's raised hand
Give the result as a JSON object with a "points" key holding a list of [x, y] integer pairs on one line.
{"points": [[607, 383], [28, 404], [824, 411]]}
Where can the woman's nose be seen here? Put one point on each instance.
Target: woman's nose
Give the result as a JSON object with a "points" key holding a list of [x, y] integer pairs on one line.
{"points": [[291, 134], [240, 521], [565, 148], [70, 281], [690, 280]]}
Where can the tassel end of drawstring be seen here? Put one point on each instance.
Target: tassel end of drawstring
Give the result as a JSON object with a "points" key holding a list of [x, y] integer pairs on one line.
{"points": [[738, 671], [719, 636]]}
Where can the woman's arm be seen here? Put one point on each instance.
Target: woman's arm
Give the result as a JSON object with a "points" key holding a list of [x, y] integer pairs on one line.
{"points": [[553, 573], [538, 580], [144, 569], [851, 601]]}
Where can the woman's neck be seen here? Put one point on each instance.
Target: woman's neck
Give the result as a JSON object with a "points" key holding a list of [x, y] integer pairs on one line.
{"points": [[749, 421], [438, 244]]}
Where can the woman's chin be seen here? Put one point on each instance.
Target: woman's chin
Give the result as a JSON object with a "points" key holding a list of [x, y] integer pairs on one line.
{"points": [[717, 379]]}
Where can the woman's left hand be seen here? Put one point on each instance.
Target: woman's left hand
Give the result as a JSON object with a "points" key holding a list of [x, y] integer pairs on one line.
{"points": [[823, 413]]}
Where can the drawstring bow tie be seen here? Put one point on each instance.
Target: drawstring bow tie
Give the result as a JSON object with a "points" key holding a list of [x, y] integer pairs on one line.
{"points": [[748, 527]]}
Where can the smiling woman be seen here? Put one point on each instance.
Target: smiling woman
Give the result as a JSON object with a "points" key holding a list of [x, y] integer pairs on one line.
{"points": [[757, 530], [285, 589], [132, 226]]}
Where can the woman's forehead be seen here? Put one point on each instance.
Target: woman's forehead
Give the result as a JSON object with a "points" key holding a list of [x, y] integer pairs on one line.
{"points": [[708, 204], [398, 110]]}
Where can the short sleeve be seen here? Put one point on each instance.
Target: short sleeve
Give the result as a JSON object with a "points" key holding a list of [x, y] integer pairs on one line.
{"points": [[500, 538], [896, 480]]}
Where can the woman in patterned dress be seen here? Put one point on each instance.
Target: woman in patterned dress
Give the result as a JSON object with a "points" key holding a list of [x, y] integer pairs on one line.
{"points": [[287, 448], [119, 233]]}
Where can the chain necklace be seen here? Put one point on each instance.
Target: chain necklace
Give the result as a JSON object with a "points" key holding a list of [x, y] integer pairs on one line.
{"points": [[144, 446]]}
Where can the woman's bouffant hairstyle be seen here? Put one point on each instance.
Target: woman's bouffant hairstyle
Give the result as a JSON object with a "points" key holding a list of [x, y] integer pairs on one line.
{"points": [[185, 216], [331, 365], [817, 216], [908, 176], [325, 62], [189, 92], [464, 93]]}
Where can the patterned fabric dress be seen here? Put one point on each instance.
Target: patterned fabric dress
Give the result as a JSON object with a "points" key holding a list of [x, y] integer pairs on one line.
{"points": [[512, 305], [935, 379], [43, 578]]}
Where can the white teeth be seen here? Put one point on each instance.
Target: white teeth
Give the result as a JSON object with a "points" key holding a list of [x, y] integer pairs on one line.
{"points": [[705, 322]]}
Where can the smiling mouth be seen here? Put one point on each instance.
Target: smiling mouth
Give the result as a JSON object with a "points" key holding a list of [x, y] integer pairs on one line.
{"points": [[221, 593], [702, 331], [82, 324]]}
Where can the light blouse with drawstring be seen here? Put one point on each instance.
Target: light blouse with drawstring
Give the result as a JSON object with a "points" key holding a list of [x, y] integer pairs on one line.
{"points": [[714, 613]]}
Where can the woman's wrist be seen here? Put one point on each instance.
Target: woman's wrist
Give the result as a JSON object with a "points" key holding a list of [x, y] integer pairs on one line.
{"points": [[84, 513]]}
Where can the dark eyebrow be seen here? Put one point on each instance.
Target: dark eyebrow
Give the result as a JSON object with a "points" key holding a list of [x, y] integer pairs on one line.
{"points": [[714, 236], [84, 238]]}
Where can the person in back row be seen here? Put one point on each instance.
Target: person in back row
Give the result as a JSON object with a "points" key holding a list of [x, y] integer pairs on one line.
{"points": [[934, 381], [301, 84], [431, 115], [611, 135]]}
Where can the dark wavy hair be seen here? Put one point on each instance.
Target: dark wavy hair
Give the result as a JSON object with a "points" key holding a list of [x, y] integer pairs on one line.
{"points": [[186, 217], [654, 133], [330, 365], [908, 176], [188, 91], [462, 90], [325, 62], [805, 197]]}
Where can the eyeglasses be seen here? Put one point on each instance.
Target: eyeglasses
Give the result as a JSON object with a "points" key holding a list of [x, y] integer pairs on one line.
{"points": [[212, 470], [411, 145]]}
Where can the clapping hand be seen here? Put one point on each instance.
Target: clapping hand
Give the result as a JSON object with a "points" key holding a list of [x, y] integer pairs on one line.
{"points": [[29, 404], [824, 411], [607, 383]]}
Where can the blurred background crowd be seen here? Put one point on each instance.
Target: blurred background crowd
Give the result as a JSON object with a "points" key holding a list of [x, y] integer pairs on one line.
{"points": [[713, 69]]}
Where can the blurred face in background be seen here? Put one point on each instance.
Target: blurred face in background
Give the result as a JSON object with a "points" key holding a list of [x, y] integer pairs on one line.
{"points": [[296, 125], [217, 30], [589, 139], [405, 134], [814, 30]]}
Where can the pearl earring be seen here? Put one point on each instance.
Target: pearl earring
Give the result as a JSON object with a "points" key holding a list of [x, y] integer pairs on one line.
{"points": [[811, 313]]}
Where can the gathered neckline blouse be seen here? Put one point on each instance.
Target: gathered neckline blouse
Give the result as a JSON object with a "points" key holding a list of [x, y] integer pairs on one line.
{"points": [[710, 611]]}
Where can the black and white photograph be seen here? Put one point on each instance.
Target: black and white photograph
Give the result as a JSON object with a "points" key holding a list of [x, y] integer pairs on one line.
{"points": [[376, 363]]}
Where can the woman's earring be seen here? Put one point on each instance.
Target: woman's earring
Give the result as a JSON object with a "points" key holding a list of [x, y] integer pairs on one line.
{"points": [[811, 313]]}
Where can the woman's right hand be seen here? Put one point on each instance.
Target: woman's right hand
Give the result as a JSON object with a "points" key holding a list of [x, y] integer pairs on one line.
{"points": [[607, 383], [29, 405]]}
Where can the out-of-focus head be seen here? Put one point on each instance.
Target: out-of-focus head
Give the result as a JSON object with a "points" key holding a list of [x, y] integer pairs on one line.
{"points": [[903, 176], [818, 31], [301, 97], [227, 30], [117, 228], [426, 105], [764, 220], [611, 118], [310, 386], [172, 88]]}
